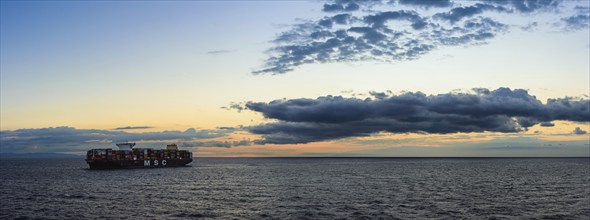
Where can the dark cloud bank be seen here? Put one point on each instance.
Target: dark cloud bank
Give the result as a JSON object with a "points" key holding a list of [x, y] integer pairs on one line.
{"points": [[358, 30], [67, 139], [333, 117]]}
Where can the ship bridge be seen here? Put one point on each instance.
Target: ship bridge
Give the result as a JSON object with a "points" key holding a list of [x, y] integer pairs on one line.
{"points": [[125, 146]]}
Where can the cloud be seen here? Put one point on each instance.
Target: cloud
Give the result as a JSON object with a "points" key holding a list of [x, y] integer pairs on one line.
{"points": [[527, 6], [581, 20], [66, 139], [546, 124], [531, 26], [341, 6], [234, 105], [577, 22], [133, 127], [225, 144], [502, 146], [456, 14], [213, 52], [390, 31], [227, 128], [334, 117], [441, 3], [579, 131]]}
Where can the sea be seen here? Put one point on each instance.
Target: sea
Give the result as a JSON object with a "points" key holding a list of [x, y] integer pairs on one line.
{"points": [[300, 188]]}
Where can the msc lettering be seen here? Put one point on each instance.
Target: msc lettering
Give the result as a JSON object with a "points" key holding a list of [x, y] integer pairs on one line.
{"points": [[147, 163]]}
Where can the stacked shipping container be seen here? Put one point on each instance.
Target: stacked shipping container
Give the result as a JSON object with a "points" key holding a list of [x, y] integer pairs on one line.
{"points": [[136, 154], [138, 157]]}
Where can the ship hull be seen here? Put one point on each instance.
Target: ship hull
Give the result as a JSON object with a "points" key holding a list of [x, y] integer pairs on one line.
{"points": [[129, 164]]}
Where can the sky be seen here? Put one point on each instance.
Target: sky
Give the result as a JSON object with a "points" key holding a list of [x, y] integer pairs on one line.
{"points": [[400, 78]]}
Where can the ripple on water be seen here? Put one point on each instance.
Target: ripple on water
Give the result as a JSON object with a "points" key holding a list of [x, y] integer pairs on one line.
{"points": [[294, 188]]}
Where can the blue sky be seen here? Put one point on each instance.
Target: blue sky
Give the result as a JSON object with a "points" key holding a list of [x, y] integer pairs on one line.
{"points": [[69, 68]]}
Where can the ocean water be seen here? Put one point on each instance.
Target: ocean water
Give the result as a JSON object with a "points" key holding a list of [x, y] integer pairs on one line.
{"points": [[301, 188]]}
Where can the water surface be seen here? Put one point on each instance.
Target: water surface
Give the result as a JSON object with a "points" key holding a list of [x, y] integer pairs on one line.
{"points": [[301, 188]]}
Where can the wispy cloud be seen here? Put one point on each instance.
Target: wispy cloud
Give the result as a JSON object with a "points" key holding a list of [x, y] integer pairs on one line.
{"points": [[389, 31], [133, 128], [334, 117], [213, 52], [225, 144], [235, 106], [500, 146]]}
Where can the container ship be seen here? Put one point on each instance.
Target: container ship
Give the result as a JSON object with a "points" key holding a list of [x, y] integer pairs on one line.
{"points": [[129, 157]]}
